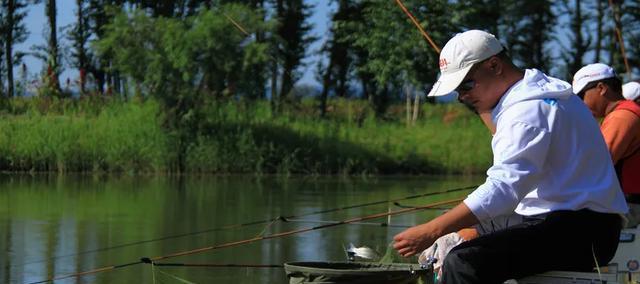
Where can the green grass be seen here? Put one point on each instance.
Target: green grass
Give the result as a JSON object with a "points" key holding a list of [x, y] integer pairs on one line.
{"points": [[97, 135], [120, 137]]}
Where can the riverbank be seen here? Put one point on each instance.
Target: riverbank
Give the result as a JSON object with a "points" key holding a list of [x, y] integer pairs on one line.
{"points": [[237, 137]]}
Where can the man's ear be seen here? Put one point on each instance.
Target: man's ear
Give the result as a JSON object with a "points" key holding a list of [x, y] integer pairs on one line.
{"points": [[495, 65], [603, 88]]}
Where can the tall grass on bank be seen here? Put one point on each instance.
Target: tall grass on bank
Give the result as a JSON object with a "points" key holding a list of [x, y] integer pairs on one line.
{"points": [[78, 137], [240, 137]]}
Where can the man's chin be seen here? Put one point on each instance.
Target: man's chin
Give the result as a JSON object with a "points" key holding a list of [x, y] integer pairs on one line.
{"points": [[469, 106]]}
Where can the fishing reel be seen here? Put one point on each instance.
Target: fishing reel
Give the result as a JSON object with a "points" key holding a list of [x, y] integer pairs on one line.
{"points": [[429, 263]]}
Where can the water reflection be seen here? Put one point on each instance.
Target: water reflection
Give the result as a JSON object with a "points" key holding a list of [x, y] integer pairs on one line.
{"points": [[52, 226]]}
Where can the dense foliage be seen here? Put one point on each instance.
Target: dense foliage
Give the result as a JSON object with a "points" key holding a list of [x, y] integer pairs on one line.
{"points": [[174, 72], [93, 135]]}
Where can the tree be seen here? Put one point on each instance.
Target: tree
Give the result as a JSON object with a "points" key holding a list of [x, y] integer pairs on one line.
{"points": [[613, 31], [480, 14], [53, 60], [573, 55], [255, 88], [2, 40], [599, 27], [390, 52], [184, 63], [631, 33], [14, 32], [527, 27], [335, 75], [291, 42], [99, 14], [79, 36]]}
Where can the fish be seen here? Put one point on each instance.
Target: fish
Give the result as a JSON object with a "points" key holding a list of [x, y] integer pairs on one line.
{"points": [[361, 252]]}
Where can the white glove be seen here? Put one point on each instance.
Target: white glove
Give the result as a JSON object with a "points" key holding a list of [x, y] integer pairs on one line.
{"points": [[439, 250]]}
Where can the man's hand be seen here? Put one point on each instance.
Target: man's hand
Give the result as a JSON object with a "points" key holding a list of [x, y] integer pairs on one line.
{"points": [[414, 240], [468, 234]]}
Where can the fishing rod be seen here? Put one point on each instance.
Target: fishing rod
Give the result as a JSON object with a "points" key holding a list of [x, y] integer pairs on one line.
{"points": [[616, 20], [382, 224], [303, 230], [251, 240], [216, 265], [417, 24], [252, 223], [398, 204], [238, 26]]}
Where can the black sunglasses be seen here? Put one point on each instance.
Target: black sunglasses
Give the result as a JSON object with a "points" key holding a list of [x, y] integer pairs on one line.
{"points": [[466, 86], [589, 86]]}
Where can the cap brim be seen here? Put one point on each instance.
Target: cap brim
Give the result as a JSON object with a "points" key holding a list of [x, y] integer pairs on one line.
{"points": [[447, 83], [578, 87]]}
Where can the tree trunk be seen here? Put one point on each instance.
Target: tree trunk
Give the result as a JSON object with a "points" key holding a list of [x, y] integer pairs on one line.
{"points": [[326, 84], [286, 82], [11, 9], [274, 86], [51, 12], [81, 52], [407, 95], [580, 47], [416, 109], [600, 14]]}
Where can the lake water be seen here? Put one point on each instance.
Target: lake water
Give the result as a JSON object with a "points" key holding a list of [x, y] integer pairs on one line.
{"points": [[52, 226]]}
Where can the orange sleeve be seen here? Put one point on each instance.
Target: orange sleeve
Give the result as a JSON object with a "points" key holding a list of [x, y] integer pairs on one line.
{"points": [[621, 131]]}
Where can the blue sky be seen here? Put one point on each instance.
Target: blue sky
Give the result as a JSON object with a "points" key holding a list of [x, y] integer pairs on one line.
{"points": [[37, 26]]}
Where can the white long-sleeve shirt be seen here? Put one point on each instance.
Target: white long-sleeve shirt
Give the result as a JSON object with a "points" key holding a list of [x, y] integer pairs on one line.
{"points": [[548, 155]]}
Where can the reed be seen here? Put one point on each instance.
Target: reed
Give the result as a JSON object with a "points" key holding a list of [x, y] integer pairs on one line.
{"points": [[98, 135], [120, 137]]}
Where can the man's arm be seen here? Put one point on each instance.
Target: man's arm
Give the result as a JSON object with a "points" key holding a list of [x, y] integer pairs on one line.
{"points": [[416, 239]]}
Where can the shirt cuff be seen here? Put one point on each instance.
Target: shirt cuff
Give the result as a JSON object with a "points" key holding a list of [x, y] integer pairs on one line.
{"points": [[474, 201]]}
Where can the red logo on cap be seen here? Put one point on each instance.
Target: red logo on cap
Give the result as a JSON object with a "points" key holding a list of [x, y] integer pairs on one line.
{"points": [[443, 63]]}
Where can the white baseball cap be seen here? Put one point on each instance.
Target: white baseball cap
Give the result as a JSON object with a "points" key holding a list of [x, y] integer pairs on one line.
{"points": [[459, 55], [631, 90], [591, 73]]}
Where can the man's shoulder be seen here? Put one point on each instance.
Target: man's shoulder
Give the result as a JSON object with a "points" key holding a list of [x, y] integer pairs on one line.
{"points": [[621, 119], [627, 108], [532, 109]]}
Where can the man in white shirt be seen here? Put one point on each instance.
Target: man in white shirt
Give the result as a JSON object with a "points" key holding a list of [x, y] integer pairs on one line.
{"points": [[550, 166]]}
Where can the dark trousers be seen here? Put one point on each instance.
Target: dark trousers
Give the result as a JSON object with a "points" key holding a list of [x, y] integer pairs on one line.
{"points": [[562, 240]]}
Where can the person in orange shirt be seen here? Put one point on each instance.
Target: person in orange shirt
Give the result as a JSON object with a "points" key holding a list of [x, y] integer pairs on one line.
{"points": [[601, 90]]}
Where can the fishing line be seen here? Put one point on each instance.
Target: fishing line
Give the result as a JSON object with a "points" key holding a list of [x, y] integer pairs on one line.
{"points": [[252, 240]]}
